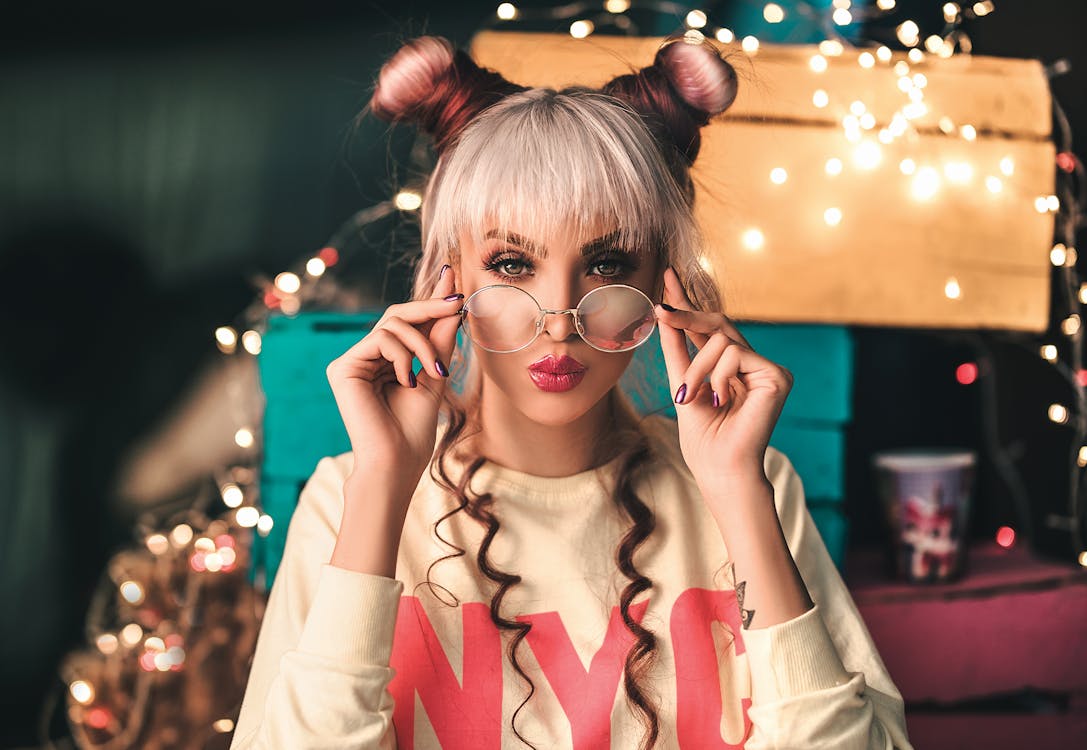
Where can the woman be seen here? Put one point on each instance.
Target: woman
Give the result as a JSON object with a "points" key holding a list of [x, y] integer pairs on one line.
{"points": [[531, 562]]}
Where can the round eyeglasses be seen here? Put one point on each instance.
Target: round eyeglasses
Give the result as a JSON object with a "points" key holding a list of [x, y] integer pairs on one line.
{"points": [[501, 318]]}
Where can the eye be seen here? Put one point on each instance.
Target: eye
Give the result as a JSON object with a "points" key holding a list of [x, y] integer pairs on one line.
{"points": [[613, 266], [506, 265]]}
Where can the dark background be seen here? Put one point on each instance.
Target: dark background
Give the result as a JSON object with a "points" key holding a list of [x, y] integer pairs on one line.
{"points": [[154, 157]]}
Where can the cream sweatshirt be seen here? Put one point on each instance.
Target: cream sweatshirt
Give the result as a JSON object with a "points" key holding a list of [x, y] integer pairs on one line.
{"points": [[350, 660]]}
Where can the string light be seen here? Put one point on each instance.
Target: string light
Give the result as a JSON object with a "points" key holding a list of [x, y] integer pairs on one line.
{"points": [[1005, 536], [750, 44], [725, 36], [581, 29], [773, 13], [778, 175], [696, 19], [507, 11], [753, 239]]}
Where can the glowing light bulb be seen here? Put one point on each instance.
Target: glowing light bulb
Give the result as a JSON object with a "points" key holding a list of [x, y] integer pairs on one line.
{"points": [[925, 183], [968, 132], [243, 438], [907, 166], [831, 47], [696, 19], [1058, 413], [131, 634], [1052, 203], [866, 60], [1070, 325], [952, 290], [81, 691], [251, 342], [753, 239], [222, 726], [131, 592], [616, 6], [773, 13], [820, 98], [983, 8], [934, 43], [966, 373], [915, 55], [507, 11], [902, 69], [833, 166], [883, 53], [157, 544], [1007, 166], [264, 524], [1049, 354], [181, 535], [226, 338], [778, 175], [315, 267], [107, 643], [832, 216], [1082, 458], [868, 121], [247, 517], [750, 44], [885, 4], [232, 495], [817, 63], [581, 29], [951, 12], [1005, 536], [724, 35], [907, 32], [842, 17], [408, 200], [867, 155], [1058, 255]]}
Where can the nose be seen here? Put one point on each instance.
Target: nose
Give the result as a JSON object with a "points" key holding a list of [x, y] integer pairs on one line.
{"points": [[560, 326]]}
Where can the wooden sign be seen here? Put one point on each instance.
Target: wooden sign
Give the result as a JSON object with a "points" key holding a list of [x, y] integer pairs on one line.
{"points": [[932, 223]]}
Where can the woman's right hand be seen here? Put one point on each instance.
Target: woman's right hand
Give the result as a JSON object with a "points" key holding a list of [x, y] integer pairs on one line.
{"points": [[390, 414]]}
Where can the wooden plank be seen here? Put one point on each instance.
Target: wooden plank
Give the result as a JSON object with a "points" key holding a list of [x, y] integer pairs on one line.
{"points": [[891, 257]]}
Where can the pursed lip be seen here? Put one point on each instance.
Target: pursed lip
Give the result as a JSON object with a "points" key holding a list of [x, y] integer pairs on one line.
{"points": [[557, 365]]}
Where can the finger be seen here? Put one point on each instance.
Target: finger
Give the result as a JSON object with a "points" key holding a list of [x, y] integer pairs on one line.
{"points": [[422, 311], [443, 333], [393, 349], [415, 340], [676, 357], [727, 367], [703, 364], [695, 321]]}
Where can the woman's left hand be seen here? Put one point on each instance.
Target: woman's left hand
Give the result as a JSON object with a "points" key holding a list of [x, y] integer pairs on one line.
{"points": [[725, 442]]}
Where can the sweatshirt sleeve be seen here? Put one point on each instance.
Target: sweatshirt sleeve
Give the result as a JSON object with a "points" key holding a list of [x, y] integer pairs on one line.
{"points": [[321, 670], [817, 681]]}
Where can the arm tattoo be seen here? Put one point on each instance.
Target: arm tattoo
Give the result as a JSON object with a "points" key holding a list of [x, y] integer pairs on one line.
{"points": [[746, 615]]}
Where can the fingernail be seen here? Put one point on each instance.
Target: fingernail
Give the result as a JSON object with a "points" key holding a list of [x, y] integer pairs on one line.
{"points": [[681, 393], [668, 307], [716, 400], [442, 272], [452, 297], [441, 368], [411, 378]]}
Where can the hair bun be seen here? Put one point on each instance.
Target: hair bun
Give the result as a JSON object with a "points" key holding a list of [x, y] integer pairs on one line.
{"points": [[436, 86], [701, 77], [409, 77]]}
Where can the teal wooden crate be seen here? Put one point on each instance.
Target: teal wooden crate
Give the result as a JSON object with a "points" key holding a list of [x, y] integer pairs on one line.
{"points": [[302, 423]]}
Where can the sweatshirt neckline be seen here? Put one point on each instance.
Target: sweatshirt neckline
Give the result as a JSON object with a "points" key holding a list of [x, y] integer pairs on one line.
{"points": [[512, 484]]}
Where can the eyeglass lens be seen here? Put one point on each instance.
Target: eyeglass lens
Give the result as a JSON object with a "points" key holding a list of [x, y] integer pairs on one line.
{"points": [[503, 318]]}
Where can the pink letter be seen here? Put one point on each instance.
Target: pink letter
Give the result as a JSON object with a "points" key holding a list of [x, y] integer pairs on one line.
{"points": [[467, 717], [698, 686], [587, 697]]}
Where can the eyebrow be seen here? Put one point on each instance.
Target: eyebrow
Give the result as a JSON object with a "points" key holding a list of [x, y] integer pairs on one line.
{"points": [[533, 248]]}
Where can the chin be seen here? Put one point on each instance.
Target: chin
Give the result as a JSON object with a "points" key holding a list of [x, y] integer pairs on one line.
{"points": [[555, 409]]}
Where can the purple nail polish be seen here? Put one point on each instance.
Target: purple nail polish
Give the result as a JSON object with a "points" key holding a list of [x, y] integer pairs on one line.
{"points": [[441, 368], [668, 307], [442, 272], [411, 378], [452, 297], [716, 400], [681, 393]]}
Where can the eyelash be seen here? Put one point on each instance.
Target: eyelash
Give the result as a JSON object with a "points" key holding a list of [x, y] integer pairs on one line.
{"points": [[624, 266]]}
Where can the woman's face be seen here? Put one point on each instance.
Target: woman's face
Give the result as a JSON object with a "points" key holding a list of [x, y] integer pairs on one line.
{"points": [[558, 271]]}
